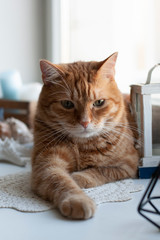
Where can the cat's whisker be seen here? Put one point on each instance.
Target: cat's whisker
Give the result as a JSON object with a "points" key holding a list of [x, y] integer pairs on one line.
{"points": [[120, 133], [53, 138], [50, 124], [112, 128], [57, 140], [56, 133], [51, 133], [138, 140], [112, 142], [127, 126], [44, 138], [60, 139]]}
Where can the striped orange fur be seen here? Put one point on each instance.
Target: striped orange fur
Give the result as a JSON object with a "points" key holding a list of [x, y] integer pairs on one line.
{"points": [[82, 134]]}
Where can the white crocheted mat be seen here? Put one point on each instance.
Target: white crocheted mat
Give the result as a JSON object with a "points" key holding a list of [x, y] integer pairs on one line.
{"points": [[15, 192]]}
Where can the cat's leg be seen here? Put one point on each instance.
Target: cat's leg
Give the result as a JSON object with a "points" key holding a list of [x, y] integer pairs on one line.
{"points": [[93, 177], [51, 181]]}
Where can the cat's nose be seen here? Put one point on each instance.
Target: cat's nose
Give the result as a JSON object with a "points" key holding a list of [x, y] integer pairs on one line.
{"points": [[84, 124]]}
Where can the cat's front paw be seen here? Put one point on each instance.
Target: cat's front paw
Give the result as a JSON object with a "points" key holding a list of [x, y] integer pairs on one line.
{"points": [[77, 206], [84, 180]]}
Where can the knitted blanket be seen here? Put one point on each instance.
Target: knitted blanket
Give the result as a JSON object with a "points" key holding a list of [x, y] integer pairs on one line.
{"points": [[15, 193]]}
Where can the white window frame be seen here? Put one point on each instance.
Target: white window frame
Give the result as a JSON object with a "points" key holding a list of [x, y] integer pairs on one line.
{"points": [[57, 30]]}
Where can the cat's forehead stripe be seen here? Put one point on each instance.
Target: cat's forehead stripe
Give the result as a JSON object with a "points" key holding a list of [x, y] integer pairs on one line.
{"points": [[81, 76], [84, 90]]}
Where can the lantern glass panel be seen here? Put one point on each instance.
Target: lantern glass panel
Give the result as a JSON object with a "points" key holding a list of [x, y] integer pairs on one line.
{"points": [[155, 101]]}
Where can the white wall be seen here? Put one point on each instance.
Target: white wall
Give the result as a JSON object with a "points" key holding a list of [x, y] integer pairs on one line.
{"points": [[22, 37]]}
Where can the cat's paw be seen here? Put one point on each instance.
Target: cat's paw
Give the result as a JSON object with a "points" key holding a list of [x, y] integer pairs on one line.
{"points": [[83, 180], [78, 206]]}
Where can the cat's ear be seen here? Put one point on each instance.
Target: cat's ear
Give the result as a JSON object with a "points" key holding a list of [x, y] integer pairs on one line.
{"points": [[107, 70], [50, 72]]}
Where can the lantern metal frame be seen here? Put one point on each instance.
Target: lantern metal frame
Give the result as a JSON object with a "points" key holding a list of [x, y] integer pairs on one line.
{"points": [[148, 200], [142, 110]]}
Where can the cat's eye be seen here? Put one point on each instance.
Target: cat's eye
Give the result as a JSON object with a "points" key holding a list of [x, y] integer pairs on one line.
{"points": [[99, 103], [67, 104]]}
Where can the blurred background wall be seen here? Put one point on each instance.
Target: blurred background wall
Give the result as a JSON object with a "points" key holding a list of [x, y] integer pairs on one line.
{"points": [[22, 37], [71, 30]]}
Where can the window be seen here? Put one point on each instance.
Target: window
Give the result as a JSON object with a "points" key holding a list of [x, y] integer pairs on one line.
{"points": [[94, 29]]}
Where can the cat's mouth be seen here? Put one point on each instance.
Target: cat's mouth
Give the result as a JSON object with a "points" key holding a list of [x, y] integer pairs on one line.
{"points": [[85, 133]]}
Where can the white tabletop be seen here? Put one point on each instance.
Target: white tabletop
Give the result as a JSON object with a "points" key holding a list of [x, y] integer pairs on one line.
{"points": [[112, 221]]}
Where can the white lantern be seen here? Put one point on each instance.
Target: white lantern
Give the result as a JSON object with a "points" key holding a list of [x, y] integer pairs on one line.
{"points": [[145, 100]]}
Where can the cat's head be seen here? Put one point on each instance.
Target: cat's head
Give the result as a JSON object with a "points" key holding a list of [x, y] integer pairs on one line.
{"points": [[78, 99]]}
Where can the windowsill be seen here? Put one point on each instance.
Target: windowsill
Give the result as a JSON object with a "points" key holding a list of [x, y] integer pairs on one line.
{"points": [[112, 220]]}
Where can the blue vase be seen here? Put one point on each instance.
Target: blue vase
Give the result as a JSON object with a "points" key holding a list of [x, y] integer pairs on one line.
{"points": [[11, 84]]}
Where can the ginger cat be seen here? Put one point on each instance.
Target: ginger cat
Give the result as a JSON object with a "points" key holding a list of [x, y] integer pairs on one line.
{"points": [[82, 135]]}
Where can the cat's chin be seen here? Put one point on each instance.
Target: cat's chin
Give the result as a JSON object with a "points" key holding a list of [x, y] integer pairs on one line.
{"points": [[84, 135]]}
